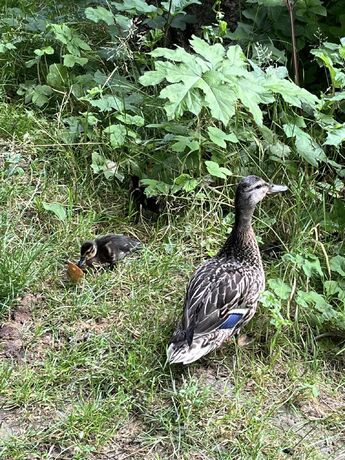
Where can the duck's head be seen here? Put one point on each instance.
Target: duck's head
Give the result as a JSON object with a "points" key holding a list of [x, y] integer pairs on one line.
{"points": [[88, 251], [251, 190]]}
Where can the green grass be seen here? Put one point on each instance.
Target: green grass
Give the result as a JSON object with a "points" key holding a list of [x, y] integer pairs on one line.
{"points": [[93, 381]]}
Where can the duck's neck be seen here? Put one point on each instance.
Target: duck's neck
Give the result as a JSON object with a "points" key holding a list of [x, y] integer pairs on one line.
{"points": [[241, 242]]}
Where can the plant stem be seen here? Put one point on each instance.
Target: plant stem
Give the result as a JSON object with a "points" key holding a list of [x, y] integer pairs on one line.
{"points": [[290, 6]]}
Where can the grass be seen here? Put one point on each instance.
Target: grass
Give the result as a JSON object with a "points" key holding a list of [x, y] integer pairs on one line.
{"points": [[92, 381]]}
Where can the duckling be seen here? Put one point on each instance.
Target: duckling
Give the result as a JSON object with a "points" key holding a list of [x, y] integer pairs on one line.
{"points": [[140, 200], [223, 293], [107, 249]]}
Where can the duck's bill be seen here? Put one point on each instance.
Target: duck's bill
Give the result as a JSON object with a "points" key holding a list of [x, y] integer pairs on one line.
{"points": [[276, 189], [81, 262]]}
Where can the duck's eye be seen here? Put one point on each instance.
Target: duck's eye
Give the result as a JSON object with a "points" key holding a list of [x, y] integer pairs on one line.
{"points": [[258, 186]]}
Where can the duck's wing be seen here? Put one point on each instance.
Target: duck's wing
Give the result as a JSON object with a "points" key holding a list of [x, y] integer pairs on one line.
{"points": [[219, 296]]}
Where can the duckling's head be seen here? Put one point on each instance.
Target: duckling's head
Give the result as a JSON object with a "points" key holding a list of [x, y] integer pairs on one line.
{"points": [[88, 251], [251, 190]]}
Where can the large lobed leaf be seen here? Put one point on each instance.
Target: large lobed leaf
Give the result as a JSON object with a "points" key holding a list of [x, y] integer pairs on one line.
{"points": [[220, 81]]}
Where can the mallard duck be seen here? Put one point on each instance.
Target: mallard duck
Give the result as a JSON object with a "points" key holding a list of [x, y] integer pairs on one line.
{"points": [[107, 249], [223, 293], [140, 200]]}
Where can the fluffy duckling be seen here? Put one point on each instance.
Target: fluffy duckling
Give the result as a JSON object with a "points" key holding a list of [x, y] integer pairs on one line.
{"points": [[107, 249], [140, 200]]}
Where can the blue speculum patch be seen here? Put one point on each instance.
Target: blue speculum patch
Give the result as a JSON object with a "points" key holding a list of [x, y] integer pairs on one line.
{"points": [[231, 321]]}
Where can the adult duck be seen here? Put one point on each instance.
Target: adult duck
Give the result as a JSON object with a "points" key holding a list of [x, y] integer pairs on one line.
{"points": [[223, 293]]}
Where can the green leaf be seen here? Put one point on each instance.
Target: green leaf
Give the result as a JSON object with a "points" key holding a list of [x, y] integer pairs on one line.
{"points": [[279, 150], [155, 187], [337, 265], [335, 288], [281, 289], [219, 97], [4, 47], [187, 182], [335, 136], [306, 146], [108, 103], [217, 171], [43, 51], [40, 95], [290, 92], [309, 263], [219, 137], [100, 14], [57, 209], [117, 135], [127, 119], [70, 60], [184, 142], [135, 6], [305, 299], [57, 76], [212, 53], [109, 168]]}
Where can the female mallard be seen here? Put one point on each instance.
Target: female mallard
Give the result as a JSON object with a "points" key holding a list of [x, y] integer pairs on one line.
{"points": [[222, 294]]}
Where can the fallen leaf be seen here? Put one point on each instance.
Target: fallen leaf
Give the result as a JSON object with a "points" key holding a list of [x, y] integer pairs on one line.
{"points": [[74, 272]]}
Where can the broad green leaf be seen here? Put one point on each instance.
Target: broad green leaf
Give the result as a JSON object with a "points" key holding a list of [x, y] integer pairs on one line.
{"points": [[306, 146], [333, 288], [217, 171], [219, 137], [57, 76], [57, 209], [4, 47], [337, 265], [43, 51], [182, 97], [290, 92], [335, 136], [281, 289], [177, 55], [155, 187], [187, 182], [176, 6], [219, 98], [100, 14], [117, 135], [40, 95], [70, 60], [305, 299], [97, 162], [127, 119], [279, 150], [309, 263], [108, 103], [135, 6], [184, 142], [212, 53]]}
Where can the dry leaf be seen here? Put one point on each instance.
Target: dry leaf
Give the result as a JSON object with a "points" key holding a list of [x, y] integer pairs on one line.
{"points": [[74, 272]]}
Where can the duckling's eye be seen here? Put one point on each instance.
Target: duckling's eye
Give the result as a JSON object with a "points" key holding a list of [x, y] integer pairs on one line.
{"points": [[258, 186]]}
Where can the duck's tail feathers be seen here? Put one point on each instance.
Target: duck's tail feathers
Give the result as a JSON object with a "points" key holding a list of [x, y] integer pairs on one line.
{"points": [[181, 352]]}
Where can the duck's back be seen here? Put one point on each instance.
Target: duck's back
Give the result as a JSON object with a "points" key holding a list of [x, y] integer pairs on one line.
{"points": [[221, 298]]}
